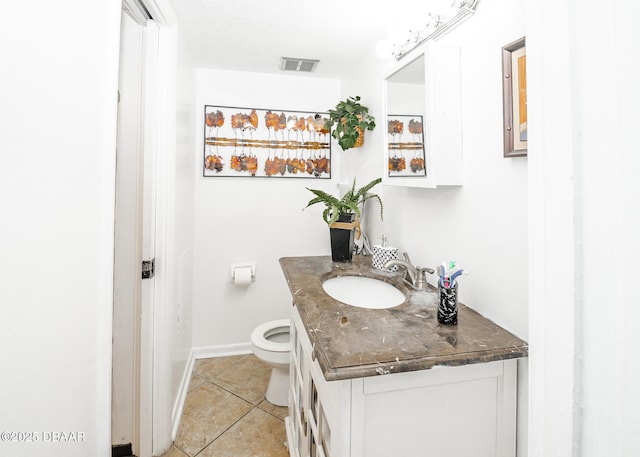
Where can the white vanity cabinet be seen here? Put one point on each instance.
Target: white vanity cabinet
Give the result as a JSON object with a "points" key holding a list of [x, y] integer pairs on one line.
{"points": [[462, 411]]}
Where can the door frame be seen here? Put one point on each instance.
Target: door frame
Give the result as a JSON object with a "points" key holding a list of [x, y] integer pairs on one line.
{"points": [[153, 431], [127, 288]]}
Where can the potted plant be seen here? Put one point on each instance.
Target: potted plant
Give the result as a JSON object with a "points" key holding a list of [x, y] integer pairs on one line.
{"points": [[342, 215], [348, 121]]}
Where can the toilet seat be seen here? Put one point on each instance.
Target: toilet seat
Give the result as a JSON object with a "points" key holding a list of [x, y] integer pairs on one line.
{"points": [[260, 335]]}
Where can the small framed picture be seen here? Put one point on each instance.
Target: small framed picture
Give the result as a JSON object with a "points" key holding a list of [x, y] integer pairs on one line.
{"points": [[514, 89]]}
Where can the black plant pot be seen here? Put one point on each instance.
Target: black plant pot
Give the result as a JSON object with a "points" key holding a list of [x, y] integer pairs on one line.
{"points": [[342, 240]]}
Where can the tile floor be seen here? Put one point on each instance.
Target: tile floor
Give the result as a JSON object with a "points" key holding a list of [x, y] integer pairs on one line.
{"points": [[225, 413]]}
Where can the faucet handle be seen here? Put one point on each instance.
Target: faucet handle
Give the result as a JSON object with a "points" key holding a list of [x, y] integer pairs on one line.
{"points": [[421, 277], [406, 257], [426, 269]]}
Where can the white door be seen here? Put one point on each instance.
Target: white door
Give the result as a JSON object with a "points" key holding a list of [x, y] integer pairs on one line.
{"points": [[132, 387]]}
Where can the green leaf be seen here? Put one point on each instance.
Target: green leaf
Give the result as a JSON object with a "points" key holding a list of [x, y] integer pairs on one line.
{"points": [[364, 189], [349, 203], [348, 115]]}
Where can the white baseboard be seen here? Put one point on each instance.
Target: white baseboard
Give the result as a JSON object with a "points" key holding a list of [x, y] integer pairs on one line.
{"points": [[200, 353], [206, 352]]}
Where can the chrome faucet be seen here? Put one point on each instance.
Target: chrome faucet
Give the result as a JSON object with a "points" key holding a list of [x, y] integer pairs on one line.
{"points": [[414, 275]]}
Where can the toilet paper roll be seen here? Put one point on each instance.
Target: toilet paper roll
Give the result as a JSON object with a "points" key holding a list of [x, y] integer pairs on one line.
{"points": [[242, 276]]}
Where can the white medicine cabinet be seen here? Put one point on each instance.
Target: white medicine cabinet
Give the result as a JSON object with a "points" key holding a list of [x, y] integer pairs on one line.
{"points": [[423, 87]]}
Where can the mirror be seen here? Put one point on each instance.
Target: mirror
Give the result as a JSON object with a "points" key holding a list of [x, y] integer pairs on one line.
{"points": [[411, 77], [406, 116]]}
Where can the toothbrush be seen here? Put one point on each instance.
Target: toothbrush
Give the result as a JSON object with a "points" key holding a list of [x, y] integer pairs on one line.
{"points": [[455, 275], [442, 272]]}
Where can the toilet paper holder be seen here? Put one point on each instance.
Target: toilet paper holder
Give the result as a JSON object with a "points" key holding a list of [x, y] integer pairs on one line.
{"points": [[242, 265]]}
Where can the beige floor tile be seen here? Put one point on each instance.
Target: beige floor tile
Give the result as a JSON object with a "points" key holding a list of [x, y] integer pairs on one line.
{"points": [[258, 434], [208, 412], [208, 368], [279, 411], [195, 381], [248, 378], [174, 452]]}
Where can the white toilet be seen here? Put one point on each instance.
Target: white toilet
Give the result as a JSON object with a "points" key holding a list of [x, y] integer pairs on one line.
{"points": [[270, 343]]}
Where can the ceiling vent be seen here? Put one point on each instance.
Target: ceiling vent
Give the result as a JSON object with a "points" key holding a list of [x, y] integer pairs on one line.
{"points": [[297, 64]]}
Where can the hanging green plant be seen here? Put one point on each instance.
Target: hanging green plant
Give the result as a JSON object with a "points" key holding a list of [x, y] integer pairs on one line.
{"points": [[348, 121]]}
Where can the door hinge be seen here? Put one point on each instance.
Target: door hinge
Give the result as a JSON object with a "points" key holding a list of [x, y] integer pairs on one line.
{"points": [[148, 268]]}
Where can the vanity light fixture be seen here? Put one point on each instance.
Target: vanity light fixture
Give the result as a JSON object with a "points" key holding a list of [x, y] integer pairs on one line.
{"points": [[402, 41]]}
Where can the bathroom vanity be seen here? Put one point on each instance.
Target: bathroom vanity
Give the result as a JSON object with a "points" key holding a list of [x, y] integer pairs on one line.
{"points": [[383, 382]]}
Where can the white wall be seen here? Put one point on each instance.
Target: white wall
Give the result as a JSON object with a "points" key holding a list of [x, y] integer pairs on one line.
{"points": [[251, 219], [483, 224], [609, 102], [552, 235], [57, 175], [583, 162]]}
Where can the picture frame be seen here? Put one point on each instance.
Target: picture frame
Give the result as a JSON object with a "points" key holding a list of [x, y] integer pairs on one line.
{"points": [[514, 89], [405, 146], [257, 142]]}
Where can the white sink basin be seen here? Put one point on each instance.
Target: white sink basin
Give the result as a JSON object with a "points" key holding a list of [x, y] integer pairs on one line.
{"points": [[363, 292]]}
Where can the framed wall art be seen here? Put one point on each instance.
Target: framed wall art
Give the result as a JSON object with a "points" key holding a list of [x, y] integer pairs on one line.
{"points": [[253, 142], [405, 145], [514, 84]]}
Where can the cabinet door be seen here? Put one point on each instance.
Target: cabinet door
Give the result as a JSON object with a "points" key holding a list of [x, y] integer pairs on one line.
{"points": [[315, 403], [453, 411], [319, 429], [304, 434], [295, 423]]}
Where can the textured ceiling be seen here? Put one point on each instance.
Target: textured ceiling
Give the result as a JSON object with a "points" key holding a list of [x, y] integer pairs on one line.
{"points": [[252, 35]]}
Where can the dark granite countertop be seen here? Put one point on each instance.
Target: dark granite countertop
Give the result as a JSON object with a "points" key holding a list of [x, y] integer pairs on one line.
{"points": [[351, 342]]}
